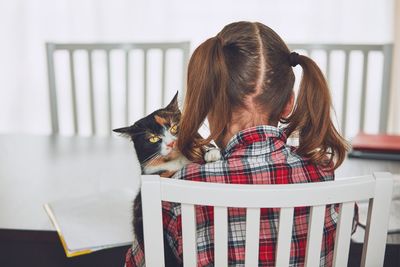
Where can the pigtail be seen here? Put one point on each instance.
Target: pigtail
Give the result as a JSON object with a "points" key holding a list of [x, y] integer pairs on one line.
{"points": [[311, 118], [206, 84]]}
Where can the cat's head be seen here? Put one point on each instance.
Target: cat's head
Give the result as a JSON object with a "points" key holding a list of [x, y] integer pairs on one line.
{"points": [[154, 136]]}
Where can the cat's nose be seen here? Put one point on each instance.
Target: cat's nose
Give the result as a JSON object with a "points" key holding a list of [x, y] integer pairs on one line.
{"points": [[172, 144]]}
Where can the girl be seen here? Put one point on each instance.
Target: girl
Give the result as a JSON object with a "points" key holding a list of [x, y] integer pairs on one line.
{"points": [[242, 81]]}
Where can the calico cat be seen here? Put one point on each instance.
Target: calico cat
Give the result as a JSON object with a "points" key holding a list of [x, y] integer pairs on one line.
{"points": [[154, 138]]}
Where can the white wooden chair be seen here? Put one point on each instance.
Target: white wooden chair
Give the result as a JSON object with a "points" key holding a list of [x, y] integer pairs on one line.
{"points": [[377, 188], [127, 68]]}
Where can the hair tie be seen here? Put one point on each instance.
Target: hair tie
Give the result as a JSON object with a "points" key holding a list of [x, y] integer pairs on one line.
{"points": [[294, 59]]}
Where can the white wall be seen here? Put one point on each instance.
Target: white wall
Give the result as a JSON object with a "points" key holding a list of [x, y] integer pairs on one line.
{"points": [[26, 24]]}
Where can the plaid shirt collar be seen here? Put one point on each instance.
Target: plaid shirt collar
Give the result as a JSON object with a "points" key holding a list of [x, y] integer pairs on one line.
{"points": [[263, 138]]}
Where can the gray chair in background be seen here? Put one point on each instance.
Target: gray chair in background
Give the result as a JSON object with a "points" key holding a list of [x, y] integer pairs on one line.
{"points": [[347, 49], [71, 48]]}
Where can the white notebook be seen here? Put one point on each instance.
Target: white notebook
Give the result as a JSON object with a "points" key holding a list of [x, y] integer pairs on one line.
{"points": [[93, 222]]}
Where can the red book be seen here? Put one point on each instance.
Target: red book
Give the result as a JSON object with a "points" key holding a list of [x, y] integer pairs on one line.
{"points": [[376, 143]]}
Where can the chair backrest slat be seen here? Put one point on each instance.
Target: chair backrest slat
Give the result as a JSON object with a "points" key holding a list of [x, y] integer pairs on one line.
{"points": [[112, 93], [345, 91], [153, 225], [314, 238], [363, 89], [163, 76], [220, 236], [284, 237], [73, 92], [253, 197], [109, 89], [343, 233], [184, 70], [189, 235], [52, 88], [127, 84], [252, 237], [91, 93], [145, 81], [377, 222], [386, 80], [328, 65]]}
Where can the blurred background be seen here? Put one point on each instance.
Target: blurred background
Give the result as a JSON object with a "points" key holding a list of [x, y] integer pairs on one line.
{"points": [[26, 25]]}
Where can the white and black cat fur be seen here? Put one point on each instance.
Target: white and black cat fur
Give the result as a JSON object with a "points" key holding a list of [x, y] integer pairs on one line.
{"points": [[154, 138]]}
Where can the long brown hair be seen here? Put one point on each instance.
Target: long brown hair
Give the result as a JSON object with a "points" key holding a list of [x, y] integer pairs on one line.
{"points": [[249, 60]]}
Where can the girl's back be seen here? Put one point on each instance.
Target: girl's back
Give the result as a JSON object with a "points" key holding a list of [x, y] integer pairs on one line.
{"points": [[257, 155]]}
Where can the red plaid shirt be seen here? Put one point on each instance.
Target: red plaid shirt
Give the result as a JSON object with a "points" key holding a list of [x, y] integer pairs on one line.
{"points": [[257, 155]]}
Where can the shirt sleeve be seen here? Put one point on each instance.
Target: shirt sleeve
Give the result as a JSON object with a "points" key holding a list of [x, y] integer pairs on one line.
{"points": [[201, 173], [173, 227], [189, 172], [135, 255]]}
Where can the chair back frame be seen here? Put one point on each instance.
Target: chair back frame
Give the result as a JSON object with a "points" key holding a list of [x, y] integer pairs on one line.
{"points": [[377, 188], [71, 48]]}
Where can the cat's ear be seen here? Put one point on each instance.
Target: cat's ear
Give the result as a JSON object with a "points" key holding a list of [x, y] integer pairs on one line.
{"points": [[173, 105], [125, 131]]}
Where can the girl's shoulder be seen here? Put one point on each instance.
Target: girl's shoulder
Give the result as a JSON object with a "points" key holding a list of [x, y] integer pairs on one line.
{"points": [[316, 171], [201, 172]]}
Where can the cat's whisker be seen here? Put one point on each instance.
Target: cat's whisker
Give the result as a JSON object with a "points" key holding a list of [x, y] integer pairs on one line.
{"points": [[151, 157], [152, 160]]}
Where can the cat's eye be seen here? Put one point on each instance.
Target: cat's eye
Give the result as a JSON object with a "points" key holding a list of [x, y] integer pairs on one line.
{"points": [[174, 129], [154, 139]]}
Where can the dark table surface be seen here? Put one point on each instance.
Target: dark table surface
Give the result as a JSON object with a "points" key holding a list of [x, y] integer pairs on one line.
{"points": [[41, 249]]}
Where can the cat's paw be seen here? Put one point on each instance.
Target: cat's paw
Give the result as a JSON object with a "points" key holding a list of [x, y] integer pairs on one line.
{"points": [[212, 155]]}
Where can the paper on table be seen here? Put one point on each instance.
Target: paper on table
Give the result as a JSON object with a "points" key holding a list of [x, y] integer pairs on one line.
{"points": [[93, 222]]}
